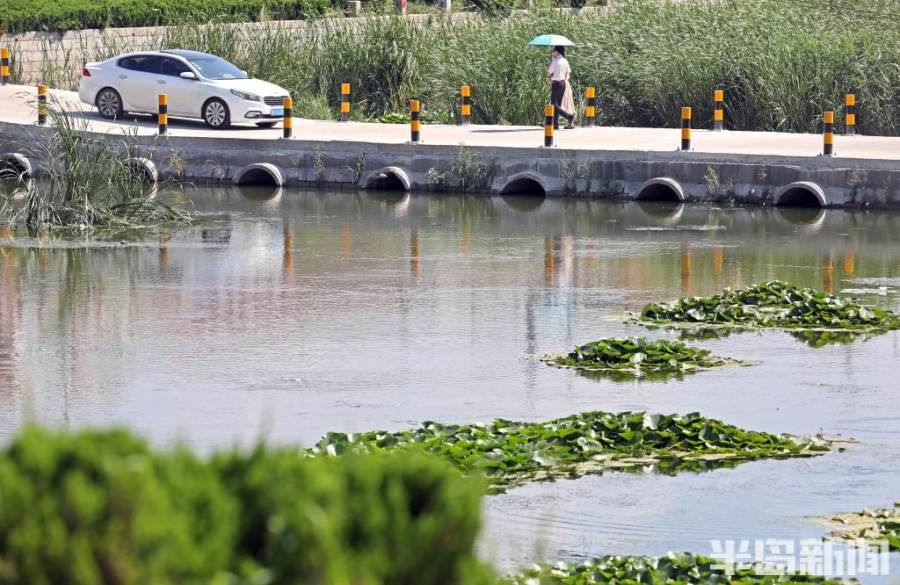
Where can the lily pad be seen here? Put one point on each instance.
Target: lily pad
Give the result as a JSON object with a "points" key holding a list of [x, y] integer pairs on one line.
{"points": [[775, 305], [511, 453], [670, 568], [627, 358]]}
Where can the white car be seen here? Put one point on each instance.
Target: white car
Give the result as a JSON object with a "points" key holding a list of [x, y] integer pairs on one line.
{"points": [[198, 85]]}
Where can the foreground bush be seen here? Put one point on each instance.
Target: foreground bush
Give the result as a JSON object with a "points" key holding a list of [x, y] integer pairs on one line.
{"points": [[101, 507]]}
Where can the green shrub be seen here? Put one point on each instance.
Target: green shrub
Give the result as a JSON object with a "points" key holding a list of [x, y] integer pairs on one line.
{"points": [[25, 15], [364, 520], [492, 7], [100, 507]]}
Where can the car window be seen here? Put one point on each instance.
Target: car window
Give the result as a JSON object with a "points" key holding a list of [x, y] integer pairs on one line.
{"points": [[173, 67], [212, 67], [144, 63]]}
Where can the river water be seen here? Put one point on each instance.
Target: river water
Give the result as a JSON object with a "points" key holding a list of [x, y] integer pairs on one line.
{"points": [[283, 317]]}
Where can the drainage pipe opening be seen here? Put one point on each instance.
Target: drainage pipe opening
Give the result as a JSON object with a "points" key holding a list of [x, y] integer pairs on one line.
{"points": [[662, 189], [259, 174], [388, 180], [523, 186], [143, 170], [801, 194], [14, 166]]}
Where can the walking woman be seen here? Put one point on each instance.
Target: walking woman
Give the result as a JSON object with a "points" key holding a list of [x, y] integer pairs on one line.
{"points": [[558, 73]]}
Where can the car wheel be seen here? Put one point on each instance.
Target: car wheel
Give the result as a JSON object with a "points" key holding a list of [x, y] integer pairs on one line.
{"points": [[266, 124], [109, 103], [216, 114]]}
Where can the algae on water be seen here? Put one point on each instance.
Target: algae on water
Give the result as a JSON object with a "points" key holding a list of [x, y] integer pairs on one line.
{"points": [[638, 357], [773, 304], [510, 453]]}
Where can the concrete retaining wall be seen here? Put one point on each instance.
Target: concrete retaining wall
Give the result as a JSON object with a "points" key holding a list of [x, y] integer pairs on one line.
{"points": [[741, 179]]}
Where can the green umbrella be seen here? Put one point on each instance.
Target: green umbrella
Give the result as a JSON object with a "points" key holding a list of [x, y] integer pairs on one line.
{"points": [[551, 41]]}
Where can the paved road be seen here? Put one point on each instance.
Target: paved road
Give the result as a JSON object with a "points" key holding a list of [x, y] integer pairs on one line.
{"points": [[18, 106]]}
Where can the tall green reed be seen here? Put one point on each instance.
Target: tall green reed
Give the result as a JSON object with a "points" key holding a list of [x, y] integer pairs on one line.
{"points": [[87, 182]]}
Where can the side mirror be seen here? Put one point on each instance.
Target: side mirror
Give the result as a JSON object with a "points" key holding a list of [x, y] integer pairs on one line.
{"points": [[188, 75]]}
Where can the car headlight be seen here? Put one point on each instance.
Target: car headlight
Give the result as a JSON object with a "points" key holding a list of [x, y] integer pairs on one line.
{"points": [[250, 97]]}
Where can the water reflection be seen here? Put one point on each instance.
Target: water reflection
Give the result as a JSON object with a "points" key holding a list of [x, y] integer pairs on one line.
{"points": [[524, 203], [270, 194], [394, 201], [804, 216], [666, 210]]}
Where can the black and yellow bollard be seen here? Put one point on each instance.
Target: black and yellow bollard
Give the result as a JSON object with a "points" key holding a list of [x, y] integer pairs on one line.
{"points": [[850, 114], [719, 109], [287, 124], [345, 102], [42, 104], [686, 128], [828, 132], [415, 125], [4, 66], [162, 115], [465, 108], [590, 110], [548, 125]]}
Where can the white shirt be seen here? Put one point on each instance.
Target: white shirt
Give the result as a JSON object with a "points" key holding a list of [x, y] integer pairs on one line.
{"points": [[559, 69]]}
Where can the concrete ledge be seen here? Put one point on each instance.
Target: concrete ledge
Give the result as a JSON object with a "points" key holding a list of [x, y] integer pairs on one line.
{"points": [[740, 178]]}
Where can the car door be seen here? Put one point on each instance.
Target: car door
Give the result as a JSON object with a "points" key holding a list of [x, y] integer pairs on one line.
{"points": [[183, 93], [137, 82]]}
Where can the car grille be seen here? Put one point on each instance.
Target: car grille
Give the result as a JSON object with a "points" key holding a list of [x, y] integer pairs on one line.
{"points": [[273, 100]]}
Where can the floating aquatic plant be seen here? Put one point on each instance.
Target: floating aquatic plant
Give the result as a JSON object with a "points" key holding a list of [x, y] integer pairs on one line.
{"points": [[510, 453], [638, 357], [871, 525], [671, 568], [773, 304]]}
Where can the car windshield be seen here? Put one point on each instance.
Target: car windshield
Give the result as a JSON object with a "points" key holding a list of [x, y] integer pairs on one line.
{"points": [[216, 68]]}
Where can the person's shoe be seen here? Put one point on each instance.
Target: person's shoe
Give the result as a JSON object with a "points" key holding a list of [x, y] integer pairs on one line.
{"points": [[570, 125]]}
